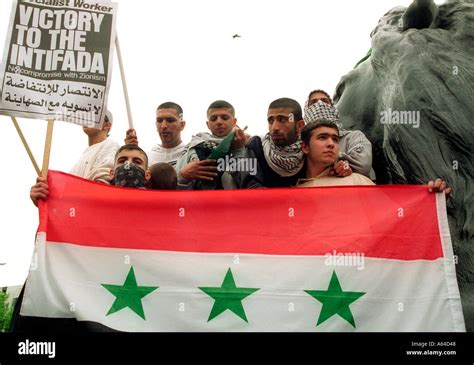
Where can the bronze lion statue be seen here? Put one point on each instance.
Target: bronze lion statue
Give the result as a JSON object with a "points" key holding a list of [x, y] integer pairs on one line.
{"points": [[413, 97]]}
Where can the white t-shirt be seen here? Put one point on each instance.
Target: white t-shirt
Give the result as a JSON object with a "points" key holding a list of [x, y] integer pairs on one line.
{"points": [[167, 155], [97, 161]]}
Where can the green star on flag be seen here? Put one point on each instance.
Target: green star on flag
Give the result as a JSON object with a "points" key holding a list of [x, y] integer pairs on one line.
{"points": [[335, 301], [129, 295], [228, 296]]}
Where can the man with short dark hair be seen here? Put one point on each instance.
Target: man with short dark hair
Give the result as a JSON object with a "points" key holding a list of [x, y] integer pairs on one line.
{"points": [[320, 144], [169, 124], [130, 170], [97, 160], [355, 148], [278, 154], [196, 169]]}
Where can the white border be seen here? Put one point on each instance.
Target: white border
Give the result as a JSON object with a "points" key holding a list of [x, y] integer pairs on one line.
{"points": [[449, 265]]}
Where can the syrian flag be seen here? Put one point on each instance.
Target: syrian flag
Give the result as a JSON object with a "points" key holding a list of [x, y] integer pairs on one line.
{"points": [[356, 258]]}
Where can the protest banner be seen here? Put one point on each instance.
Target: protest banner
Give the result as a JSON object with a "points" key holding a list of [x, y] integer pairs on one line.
{"points": [[58, 60]]}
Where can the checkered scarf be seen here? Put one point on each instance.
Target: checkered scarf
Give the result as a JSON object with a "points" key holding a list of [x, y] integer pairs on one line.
{"points": [[322, 110], [286, 160], [204, 140]]}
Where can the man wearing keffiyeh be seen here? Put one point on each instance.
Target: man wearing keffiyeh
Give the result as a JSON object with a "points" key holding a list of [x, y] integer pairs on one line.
{"points": [[196, 168], [280, 160], [355, 149], [279, 157]]}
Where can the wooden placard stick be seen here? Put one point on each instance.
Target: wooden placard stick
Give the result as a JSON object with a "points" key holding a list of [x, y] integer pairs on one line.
{"points": [[25, 144], [47, 148], [124, 82]]}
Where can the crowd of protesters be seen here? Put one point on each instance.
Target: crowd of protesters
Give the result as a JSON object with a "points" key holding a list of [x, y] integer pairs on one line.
{"points": [[303, 148]]}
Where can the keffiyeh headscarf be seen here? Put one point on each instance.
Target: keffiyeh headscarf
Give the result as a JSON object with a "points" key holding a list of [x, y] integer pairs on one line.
{"points": [[322, 110], [284, 160]]}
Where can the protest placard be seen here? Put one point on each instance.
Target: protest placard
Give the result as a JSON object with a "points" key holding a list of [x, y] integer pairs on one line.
{"points": [[57, 61]]}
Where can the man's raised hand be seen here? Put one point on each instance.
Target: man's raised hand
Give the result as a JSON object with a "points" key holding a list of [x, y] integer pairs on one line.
{"points": [[131, 137], [240, 139]]}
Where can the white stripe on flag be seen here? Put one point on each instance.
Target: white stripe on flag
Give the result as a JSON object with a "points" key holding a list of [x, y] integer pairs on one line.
{"points": [[400, 295]]}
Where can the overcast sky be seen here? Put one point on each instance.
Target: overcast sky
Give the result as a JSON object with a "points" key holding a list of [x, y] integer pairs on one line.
{"points": [[183, 51]]}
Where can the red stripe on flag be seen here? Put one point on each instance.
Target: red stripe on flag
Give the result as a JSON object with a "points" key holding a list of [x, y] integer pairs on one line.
{"points": [[394, 222]]}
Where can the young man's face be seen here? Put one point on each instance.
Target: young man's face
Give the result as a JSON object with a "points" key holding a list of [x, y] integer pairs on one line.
{"points": [[220, 122], [282, 127], [323, 147], [169, 127], [314, 98], [131, 156]]}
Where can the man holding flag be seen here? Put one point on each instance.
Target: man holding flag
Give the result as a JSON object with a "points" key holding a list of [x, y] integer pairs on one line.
{"points": [[130, 170], [196, 168]]}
